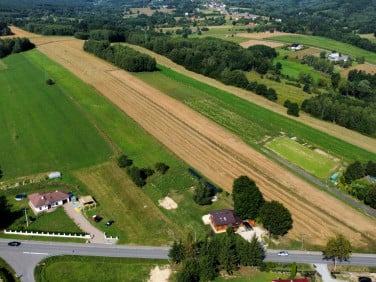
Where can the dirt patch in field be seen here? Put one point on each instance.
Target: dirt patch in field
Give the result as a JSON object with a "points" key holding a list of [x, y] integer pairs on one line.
{"points": [[168, 203], [212, 150], [368, 68], [159, 274], [305, 52], [253, 42]]}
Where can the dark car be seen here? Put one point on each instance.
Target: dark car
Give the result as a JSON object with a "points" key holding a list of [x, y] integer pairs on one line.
{"points": [[365, 279], [97, 218], [109, 223], [14, 244], [20, 197]]}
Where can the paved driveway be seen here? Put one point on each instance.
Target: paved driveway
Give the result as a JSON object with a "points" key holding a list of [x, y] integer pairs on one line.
{"points": [[84, 224], [325, 274]]}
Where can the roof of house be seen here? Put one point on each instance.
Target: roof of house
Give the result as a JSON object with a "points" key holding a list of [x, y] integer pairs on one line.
{"points": [[47, 198], [292, 280], [224, 217]]}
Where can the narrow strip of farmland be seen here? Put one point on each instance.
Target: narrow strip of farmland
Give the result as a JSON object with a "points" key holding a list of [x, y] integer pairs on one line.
{"points": [[215, 152]]}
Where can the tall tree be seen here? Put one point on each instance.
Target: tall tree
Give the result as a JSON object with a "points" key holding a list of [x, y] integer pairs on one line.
{"points": [[276, 218], [354, 171], [370, 198], [189, 271], [228, 257], [202, 194], [177, 252], [247, 198], [338, 249]]}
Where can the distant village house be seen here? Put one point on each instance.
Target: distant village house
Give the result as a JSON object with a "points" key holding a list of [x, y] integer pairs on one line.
{"points": [[54, 175], [336, 57], [296, 47]]}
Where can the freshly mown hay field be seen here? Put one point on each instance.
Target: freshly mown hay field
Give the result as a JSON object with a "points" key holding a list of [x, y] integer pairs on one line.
{"points": [[42, 130], [311, 161], [328, 44], [61, 268], [138, 217], [368, 68], [249, 121]]}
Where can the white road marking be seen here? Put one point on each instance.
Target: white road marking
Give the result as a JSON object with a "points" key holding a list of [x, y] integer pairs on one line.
{"points": [[32, 253]]}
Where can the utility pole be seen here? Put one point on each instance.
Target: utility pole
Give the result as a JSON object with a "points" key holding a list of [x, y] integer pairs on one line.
{"points": [[302, 234], [27, 220]]}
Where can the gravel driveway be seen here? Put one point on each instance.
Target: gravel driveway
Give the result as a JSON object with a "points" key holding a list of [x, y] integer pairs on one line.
{"points": [[84, 224]]}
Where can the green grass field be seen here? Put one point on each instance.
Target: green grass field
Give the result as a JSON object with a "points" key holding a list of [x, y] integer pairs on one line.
{"points": [[42, 130], [250, 122], [77, 268], [328, 44], [285, 91], [314, 163]]}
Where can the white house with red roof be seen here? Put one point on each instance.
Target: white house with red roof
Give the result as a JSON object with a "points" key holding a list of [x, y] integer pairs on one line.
{"points": [[44, 201]]}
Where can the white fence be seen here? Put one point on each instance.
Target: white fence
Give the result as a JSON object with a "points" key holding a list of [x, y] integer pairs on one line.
{"points": [[48, 234]]}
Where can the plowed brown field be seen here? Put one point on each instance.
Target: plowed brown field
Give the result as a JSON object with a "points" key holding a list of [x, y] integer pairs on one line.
{"points": [[212, 150]]}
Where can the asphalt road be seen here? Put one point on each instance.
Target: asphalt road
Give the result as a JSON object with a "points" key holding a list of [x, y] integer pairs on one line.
{"points": [[24, 258]]}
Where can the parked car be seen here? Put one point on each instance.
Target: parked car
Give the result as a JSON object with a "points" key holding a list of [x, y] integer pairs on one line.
{"points": [[364, 279], [109, 223], [97, 218], [20, 197], [14, 243], [283, 253]]}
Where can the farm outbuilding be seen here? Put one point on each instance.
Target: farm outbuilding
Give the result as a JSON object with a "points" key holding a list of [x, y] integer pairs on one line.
{"points": [[87, 202], [54, 175]]}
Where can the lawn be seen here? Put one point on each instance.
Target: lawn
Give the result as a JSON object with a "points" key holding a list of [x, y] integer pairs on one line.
{"points": [[250, 122], [56, 221], [138, 217], [77, 268], [328, 44], [42, 130], [311, 161]]}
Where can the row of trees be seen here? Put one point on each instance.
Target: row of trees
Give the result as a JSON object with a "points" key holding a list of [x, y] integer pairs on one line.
{"points": [[350, 113], [249, 203], [121, 56], [14, 45], [202, 260], [320, 64]]}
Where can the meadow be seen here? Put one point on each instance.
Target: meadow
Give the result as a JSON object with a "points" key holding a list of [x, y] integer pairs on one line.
{"points": [[42, 130], [328, 44], [95, 269], [250, 122], [300, 155]]}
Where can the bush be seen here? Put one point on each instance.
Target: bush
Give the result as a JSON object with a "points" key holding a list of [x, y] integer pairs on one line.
{"points": [[50, 81], [161, 168], [123, 161]]}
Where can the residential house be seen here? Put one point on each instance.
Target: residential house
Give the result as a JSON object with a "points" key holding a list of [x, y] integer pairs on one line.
{"points": [[44, 201], [223, 219], [336, 57], [296, 47]]}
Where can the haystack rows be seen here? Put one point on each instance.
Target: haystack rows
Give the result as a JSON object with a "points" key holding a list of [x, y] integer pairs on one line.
{"points": [[215, 152]]}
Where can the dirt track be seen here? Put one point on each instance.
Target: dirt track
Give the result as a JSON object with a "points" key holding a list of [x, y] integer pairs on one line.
{"points": [[216, 153]]}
